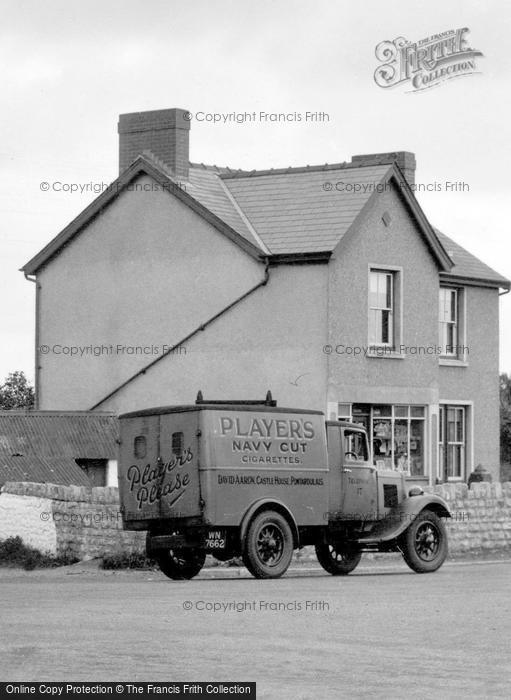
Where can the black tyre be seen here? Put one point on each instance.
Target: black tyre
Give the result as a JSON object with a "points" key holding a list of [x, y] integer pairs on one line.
{"points": [[268, 545], [181, 564], [424, 544], [337, 559]]}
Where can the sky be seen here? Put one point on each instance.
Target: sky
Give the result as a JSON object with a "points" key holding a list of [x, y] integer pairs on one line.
{"points": [[70, 68]]}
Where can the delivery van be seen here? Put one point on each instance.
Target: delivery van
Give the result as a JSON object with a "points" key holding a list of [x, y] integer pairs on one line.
{"points": [[253, 480]]}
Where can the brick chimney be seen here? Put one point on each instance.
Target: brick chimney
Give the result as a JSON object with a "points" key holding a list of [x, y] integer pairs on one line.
{"points": [[404, 159], [164, 132]]}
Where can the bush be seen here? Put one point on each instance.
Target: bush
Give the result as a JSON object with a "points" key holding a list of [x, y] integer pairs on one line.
{"points": [[125, 560], [14, 552]]}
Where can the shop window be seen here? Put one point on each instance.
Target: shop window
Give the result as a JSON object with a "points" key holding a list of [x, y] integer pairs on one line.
{"points": [[344, 411], [396, 435]]}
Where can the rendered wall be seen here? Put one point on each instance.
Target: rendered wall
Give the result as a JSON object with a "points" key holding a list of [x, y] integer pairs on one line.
{"points": [[148, 271]]}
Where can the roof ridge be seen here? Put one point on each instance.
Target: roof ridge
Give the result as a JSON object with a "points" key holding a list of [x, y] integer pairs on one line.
{"points": [[217, 169], [227, 173], [296, 169]]}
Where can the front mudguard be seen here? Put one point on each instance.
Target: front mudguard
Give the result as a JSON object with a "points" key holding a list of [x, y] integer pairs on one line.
{"points": [[400, 517]]}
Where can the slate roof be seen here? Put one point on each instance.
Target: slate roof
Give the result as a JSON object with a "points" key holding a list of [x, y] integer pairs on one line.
{"points": [[208, 188], [467, 266], [293, 213], [42, 446], [280, 212]]}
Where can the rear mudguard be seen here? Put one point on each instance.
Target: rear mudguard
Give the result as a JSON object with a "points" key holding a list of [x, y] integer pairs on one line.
{"points": [[399, 519], [268, 504]]}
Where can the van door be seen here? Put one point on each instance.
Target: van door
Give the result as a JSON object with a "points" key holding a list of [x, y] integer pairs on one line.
{"points": [[179, 495], [333, 434], [358, 477], [138, 457]]}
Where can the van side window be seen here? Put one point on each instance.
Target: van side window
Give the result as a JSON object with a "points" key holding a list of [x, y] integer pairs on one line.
{"points": [[355, 445], [178, 442], [140, 447]]}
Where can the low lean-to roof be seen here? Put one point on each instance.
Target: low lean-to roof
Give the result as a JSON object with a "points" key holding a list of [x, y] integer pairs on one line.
{"points": [[287, 212], [42, 446], [64, 472]]}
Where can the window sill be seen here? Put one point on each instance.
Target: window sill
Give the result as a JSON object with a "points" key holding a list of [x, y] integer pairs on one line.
{"points": [[387, 355], [447, 362]]}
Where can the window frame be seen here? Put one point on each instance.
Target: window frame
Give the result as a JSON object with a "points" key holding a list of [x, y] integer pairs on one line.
{"points": [[445, 325], [458, 356], [444, 444], [389, 349], [387, 309]]}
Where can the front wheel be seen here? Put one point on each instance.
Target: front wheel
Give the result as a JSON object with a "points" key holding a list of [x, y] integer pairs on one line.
{"points": [[268, 546], [424, 544], [337, 559], [180, 564]]}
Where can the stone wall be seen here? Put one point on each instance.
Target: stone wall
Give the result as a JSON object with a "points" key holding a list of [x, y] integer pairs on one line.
{"points": [[86, 523], [481, 516], [73, 520]]}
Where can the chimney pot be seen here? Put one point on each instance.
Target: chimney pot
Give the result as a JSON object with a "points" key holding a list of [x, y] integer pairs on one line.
{"points": [[163, 132]]}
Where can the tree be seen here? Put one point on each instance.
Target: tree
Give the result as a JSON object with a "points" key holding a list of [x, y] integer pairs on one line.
{"points": [[505, 418], [16, 392]]}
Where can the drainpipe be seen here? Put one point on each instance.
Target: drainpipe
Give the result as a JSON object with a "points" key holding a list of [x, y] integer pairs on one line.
{"points": [[202, 327], [33, 278]]}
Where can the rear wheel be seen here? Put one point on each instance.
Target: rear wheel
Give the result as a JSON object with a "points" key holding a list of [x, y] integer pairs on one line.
{"points": [[424, 544], [268, 546], [337, 559], [181, 564]]}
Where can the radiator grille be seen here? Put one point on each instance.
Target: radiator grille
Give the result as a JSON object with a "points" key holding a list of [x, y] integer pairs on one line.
{"points": [[389, 495]]}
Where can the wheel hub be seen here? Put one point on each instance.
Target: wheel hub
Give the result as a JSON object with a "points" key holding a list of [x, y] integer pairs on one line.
{"points": [[426, 542], [270, 545]]}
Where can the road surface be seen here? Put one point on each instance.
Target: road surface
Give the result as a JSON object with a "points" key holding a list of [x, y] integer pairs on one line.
{"points": [[382, 632]]}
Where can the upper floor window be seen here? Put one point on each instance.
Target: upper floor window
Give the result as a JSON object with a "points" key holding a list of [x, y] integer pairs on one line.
{"points": [[449, 321], [381, 307]]}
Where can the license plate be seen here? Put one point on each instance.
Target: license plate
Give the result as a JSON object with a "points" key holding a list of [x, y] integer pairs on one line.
{"points": [[216, 540]]}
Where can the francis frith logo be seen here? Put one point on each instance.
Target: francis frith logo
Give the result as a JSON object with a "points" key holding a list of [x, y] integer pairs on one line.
{"points": [[425, 63]]}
